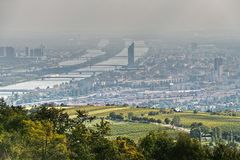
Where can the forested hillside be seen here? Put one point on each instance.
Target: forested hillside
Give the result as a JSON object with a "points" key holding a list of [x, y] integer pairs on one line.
{"points": [[48, 133]]}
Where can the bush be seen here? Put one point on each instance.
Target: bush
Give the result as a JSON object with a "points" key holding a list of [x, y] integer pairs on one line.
{"points": [[152, 113], [195, 111], [115, 116], [167, 120]]}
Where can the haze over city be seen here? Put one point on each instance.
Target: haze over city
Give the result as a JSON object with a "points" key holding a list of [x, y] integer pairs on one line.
{"points": [[119, 16], [119, 79]]}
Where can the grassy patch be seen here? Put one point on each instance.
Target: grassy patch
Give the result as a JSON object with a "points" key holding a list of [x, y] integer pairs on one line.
{"points": [[227, 123], [136, 131]]}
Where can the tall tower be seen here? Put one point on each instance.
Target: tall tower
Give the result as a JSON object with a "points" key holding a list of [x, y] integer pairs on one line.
{"points": [[42, 47], [218, 68], [217, 63], [131, 55], [26, 51]]}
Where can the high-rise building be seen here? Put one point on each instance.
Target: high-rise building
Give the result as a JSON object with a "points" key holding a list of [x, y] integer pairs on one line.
{"points": [[218, 68], [10, 52], [42, 47], [217, 63], [26, 51], [2, 52], [31, 53], [37, 52], [131, 55]]}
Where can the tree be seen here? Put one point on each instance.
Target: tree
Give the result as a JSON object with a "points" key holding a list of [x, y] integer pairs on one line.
{"points": [[127, 149], [80, 141], [112, 114], [82, 116], [188, 149], [157, 145], [60, 120], [11, 117], [196, 133], [14, 146], [45, 143], [225, 152], [198, 130], [90, 143], [3, 104], [115, 116], [103, 128], [105, 149], [195, 111], [130, 116], [176, 121], [167, 120]]}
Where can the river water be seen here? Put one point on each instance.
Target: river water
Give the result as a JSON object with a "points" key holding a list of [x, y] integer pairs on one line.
{"points": [[119, 59]]}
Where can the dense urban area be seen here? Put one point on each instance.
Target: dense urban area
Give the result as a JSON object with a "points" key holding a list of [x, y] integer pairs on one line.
{"points": [[119, 80], [201, 75]]}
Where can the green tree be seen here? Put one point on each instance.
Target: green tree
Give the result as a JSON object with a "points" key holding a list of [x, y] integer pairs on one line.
{"points": [[60, 120], [167, 120], [89, 143], [127, 149], [11, 117], [188, 149], [198, 130], [44, 142], [196, 133], [195, 111], [130, 116], [216, 134], [82, 116], [225, 152], [13, 146], [157, 145], [103, 128], [176, 121], [80, 141]]}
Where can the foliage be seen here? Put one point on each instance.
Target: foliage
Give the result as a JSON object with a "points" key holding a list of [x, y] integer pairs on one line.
{"points": [[176, 121], [225, 152], [188, 149], [127, 149], [152, 113], [145, 120], [167, 120], [45, 143], [195, 111], [48, 133], [198, 130], [157, 145], [59, 119], [115, 116], [11, 117], [130, 115]]}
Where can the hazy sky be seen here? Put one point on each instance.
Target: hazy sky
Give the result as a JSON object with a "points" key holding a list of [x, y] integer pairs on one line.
{"points": [[118, 15]]}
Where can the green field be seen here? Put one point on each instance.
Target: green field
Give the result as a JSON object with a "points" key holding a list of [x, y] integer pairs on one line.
{"points": [[227, 123], [136, 131]]}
